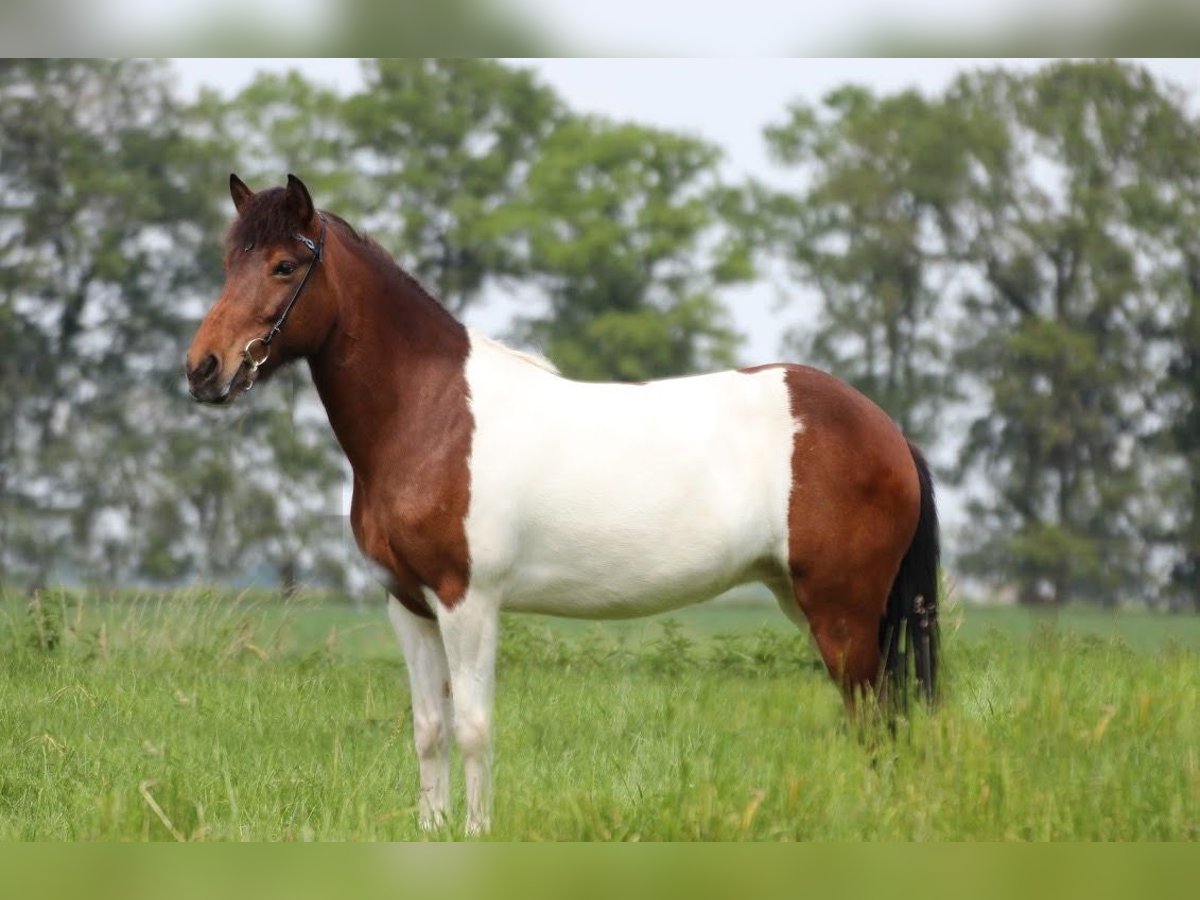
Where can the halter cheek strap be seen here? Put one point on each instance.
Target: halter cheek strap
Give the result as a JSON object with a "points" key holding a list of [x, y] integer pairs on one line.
{"points": [[263, 344]]}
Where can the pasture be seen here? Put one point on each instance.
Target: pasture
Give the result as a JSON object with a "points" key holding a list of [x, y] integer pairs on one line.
{"points": [[207, 717]]}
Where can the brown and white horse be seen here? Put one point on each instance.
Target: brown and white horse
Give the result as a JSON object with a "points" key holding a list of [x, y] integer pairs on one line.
{"points": [[484, 481]]}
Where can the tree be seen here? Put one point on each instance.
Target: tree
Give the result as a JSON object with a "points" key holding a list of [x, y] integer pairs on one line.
{"points": [[263, 486], [1020, 249], [1181, 489], [884, 178], [282, 123], [624, 237], [1166, 205], [106, 221], [446, 145], [1056, 329]]}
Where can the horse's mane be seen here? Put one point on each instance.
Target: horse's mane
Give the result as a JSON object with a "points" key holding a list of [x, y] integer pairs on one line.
{"points": [[267, 219]]}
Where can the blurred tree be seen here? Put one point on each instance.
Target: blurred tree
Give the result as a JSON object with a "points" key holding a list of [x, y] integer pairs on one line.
{"points": [[623, 231], [444, 146], [883, 180], [280, 123], [1024, 243], [1166, 207], [1181, 494], [262, 486], [1056, 328], [105, 221]]}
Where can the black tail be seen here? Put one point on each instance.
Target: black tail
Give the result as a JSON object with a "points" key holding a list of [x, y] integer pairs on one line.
{"points": [[909, 628]]}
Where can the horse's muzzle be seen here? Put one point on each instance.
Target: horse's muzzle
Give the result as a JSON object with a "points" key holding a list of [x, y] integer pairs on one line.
{"points": [[205, 383]]}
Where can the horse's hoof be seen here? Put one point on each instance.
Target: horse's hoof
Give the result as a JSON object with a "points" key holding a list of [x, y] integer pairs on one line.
{"points": [[478, 827], [432, 822]]}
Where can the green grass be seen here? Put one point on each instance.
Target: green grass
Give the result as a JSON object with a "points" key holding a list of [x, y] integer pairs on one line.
{"points": [[195, 716]]}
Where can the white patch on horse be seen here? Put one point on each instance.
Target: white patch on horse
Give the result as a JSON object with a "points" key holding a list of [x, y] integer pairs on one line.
{"points": [[611, 500], [534, 359]]}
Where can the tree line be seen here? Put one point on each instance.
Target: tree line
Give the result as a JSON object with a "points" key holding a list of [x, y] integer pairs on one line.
{"points": [[1010, 267]]}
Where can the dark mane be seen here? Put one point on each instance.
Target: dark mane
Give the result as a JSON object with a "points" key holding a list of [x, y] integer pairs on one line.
{"points": [[268, 220], [265, 220]]}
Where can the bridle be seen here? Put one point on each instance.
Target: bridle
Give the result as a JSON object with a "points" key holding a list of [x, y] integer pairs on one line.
{"points": [[317, 249]]}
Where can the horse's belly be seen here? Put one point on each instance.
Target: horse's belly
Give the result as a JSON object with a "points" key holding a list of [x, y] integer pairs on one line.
{"points": [[616, 576], [576, 599]]}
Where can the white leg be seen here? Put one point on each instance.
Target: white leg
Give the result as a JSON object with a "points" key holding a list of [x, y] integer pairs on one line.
{"points": [[469, 634], [429, 680]]}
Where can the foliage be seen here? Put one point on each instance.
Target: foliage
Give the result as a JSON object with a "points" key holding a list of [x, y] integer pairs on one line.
{"points": [[1057, 334], [1014, 251], [104, 216], [1009, 267], [618, 220], [446, 145], [870, 231]]}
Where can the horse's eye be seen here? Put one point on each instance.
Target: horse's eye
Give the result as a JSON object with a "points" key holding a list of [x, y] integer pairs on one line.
{"points": [[285, 268]]}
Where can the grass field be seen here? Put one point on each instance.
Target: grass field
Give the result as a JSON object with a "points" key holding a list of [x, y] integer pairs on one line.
{"points": [[193, 716]]}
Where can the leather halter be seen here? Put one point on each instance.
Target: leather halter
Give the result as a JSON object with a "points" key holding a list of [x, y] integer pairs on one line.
{"points": [[317, 249]]}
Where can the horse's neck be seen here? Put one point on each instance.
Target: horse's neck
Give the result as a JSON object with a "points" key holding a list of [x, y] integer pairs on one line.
{"points": [[392, 368]]}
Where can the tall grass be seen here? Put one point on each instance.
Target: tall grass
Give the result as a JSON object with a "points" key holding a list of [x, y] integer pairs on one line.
{"points": [[196, 716]]}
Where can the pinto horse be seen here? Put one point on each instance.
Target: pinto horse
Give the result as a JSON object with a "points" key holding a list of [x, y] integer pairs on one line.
{"points": [[484, 481]]}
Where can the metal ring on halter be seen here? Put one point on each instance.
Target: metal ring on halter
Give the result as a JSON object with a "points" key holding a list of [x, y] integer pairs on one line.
{"points": [[252, 363], [249, 357]]}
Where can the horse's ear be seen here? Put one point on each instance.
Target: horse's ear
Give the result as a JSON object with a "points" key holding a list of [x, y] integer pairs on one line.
{"points": [[300, 200], [239, 192]]}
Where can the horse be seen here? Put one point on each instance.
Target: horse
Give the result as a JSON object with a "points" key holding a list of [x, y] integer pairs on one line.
{"points": [[484, 481]]}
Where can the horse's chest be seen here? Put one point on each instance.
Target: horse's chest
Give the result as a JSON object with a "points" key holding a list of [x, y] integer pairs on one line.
{"points": [[417, 546]]}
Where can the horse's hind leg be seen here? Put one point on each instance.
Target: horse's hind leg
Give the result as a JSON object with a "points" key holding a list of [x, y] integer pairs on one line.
{"points": [[429, 680], [843, 611]]}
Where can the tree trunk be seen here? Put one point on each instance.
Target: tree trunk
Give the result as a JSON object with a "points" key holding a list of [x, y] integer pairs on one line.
{"points": [[289, 577], [1027, 593]]}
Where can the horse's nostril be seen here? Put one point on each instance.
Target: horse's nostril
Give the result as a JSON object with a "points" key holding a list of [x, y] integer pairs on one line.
{"points": [[205, 371]]}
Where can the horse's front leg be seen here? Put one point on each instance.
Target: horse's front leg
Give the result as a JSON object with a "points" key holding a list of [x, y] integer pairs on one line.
{"points": [[469, 633], [429, 679]]}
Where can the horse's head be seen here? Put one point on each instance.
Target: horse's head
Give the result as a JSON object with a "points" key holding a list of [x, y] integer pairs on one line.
{"points": [[276, 303]]}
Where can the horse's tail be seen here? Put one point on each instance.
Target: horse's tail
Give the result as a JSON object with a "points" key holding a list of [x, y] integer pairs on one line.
{"points": [[909, 627]]}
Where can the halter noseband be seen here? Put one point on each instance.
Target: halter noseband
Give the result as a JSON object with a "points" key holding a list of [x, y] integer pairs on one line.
{"points": [[317, 249]]}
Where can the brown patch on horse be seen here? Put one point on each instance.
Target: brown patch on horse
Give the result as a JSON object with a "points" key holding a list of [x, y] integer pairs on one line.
{"points": [[852, 513], [392, 377], [389, 365]]}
